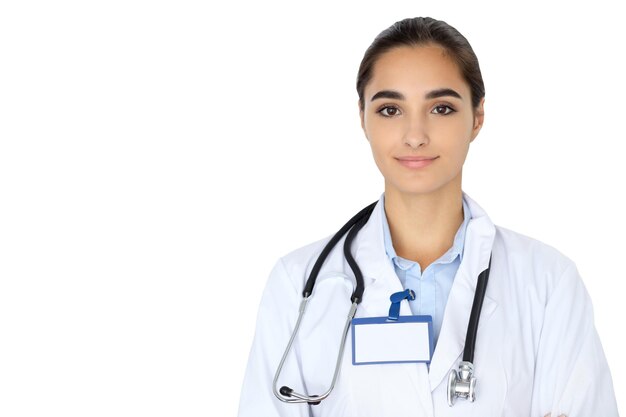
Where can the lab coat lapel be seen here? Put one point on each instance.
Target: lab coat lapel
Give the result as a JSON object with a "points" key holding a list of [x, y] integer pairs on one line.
{"points": [[477, 249]]}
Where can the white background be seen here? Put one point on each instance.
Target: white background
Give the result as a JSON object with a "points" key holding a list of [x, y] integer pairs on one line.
{"points": [[156, 158]]}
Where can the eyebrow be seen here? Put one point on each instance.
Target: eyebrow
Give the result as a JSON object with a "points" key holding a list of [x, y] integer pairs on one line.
{"points": [[440, 92]]}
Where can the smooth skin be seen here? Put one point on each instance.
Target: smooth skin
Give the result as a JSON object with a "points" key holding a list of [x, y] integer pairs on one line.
{"points": [[424, 206]]}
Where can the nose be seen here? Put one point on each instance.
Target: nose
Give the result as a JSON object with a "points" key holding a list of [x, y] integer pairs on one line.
{"points": [[416, 132]]}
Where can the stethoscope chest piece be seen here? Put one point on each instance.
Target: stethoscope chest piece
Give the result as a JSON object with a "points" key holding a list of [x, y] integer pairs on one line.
{"points": [[462, 383]]}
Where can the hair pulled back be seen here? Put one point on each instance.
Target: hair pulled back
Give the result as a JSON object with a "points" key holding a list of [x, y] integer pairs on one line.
{"points": [[424, 31]]}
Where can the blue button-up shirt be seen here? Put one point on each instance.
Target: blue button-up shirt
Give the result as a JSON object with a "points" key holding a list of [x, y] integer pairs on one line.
{"points": [[432, 286]]}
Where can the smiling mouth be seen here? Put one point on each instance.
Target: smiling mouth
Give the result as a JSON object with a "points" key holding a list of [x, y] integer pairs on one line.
{"points": [[416, 158], [416, 162]]}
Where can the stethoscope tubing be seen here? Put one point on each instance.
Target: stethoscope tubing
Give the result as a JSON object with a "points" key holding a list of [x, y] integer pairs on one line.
{"points": [[352, 227], [477, 305], [358, 220], [285, 393]]}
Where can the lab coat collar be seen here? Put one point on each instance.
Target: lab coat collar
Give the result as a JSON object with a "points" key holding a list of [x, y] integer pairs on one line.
{"points": [[381, 281]]}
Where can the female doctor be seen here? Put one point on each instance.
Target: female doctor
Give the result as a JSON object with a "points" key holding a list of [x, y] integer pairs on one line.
{"points": [[536, 350]]}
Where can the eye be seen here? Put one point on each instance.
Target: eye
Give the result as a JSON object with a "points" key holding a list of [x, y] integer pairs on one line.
{"points": [[394, 111], [444, 106]]}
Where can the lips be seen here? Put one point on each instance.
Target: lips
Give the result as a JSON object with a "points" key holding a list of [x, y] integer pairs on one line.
{"points": [[416, 158], [416, 161]]}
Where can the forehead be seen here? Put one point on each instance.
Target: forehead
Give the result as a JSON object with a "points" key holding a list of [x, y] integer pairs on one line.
{"points": [[414, 70]]}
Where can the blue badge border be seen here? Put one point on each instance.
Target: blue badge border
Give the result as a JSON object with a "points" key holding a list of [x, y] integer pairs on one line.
{"points": [[385, 320]]}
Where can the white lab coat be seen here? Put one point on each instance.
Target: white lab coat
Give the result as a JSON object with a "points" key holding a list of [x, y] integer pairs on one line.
{"points": [[537, 350]]}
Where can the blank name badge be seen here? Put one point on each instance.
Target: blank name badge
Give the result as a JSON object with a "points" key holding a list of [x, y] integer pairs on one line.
{"points": [[379, 340]]}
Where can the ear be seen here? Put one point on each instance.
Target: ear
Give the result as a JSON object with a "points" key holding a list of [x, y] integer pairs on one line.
{"points": [[479, 119]]}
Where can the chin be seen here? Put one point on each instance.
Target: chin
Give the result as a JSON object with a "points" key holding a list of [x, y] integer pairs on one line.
{"points": [[416, 187], [425, 182]]}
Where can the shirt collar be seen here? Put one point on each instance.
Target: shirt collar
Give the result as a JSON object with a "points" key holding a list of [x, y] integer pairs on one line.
{"points": [[449, 256]]}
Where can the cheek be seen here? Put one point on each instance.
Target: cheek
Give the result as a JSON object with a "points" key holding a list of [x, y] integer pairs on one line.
{"points": [[378, 151], [457, 153], [381, 152], [381, 139], [454, 136]]}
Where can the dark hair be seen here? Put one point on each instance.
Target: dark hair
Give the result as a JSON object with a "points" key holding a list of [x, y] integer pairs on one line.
{"points": [[424, 31]]}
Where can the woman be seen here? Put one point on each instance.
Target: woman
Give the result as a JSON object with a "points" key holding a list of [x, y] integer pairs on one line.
{"points": [[537, 352]]}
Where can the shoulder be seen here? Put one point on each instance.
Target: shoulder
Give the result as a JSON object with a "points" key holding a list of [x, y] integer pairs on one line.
{"points": [[297, 263], [523, 248], [533, 263], [301, 259]]}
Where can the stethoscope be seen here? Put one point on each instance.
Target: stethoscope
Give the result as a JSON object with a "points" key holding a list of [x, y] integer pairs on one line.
{"points": [[460, 384]]}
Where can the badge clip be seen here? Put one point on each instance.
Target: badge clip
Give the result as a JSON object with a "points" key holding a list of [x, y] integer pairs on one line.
{"points": [[396, 298]]}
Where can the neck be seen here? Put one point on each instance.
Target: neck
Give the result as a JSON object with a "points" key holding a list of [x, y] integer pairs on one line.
{"points": [[423, 226]]}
